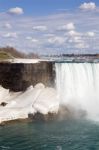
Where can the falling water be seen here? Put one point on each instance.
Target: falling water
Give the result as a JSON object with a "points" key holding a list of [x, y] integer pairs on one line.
{"points": [[78, 86]]}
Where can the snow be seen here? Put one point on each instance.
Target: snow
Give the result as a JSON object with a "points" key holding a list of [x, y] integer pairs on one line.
{"points": [[4, 93], [22, 60], [35, 99]]}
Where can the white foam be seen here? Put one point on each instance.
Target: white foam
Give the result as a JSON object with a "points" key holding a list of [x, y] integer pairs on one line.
{"points": [[78, 86]]}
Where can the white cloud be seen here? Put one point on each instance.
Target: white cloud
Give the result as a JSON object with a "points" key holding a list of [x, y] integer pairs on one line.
{"points": [[49, 35], [28, 38], [88, 6], [31, 39], [73, 33], [56, 40], [34, 40], [40, 28], [16, 11], [81, 46], [77, 39], [69, 26], [90, 34], [7, 25], [10, 35]]}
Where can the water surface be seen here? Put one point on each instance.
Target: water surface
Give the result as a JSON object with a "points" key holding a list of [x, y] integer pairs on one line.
{"points": [[56, 135]]}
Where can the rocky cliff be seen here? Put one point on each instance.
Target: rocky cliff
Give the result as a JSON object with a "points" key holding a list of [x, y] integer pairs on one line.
{"points": [[19, 76]]}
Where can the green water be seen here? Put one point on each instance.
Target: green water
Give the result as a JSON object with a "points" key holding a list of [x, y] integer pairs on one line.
{"points": [[56, 135]]}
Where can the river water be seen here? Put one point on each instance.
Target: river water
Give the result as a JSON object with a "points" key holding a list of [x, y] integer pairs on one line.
{"points": [[54, 135]]}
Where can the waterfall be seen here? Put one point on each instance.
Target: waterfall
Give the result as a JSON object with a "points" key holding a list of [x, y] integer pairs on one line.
{"points": [[78, 86]]}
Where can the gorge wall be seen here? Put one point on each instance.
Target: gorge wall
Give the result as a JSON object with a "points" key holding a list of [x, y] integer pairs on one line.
{"points": [[19, 76]]}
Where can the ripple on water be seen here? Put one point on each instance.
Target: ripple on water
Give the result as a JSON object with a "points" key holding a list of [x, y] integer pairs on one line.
{"points": [[4, 147], [58, 147], [66, 135]]}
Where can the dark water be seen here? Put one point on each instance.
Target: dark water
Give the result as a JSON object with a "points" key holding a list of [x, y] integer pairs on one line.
{"points": [[63, 135]]}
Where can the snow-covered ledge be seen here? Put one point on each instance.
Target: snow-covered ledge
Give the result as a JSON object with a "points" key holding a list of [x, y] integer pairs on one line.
{"points": [[35, 99]]}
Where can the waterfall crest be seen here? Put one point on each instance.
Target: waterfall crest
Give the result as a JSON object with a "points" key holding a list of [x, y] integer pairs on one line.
{"points": [[78, 86]]}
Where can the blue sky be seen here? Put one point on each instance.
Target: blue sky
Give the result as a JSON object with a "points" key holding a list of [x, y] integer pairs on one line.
{"points": [[50, 26], [42, 7]]}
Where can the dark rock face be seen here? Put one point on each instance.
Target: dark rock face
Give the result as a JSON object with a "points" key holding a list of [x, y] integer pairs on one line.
{"points": [[40, 117], [3, 104], [19, 76]]}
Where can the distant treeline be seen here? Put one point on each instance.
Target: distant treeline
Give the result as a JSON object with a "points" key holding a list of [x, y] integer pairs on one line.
{"points": [[73, 55], [11, 52], [14, 53], [80, 55]]}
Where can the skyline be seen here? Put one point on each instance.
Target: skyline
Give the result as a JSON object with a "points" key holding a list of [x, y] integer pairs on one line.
{"points": [[49, 27]]}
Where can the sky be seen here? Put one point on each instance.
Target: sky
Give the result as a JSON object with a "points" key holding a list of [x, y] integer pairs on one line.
{"points": [[50, 26]]}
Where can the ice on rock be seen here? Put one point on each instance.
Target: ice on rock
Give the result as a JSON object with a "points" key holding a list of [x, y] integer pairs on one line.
{"points": [[19, 105], [4, 93], [39, 86], [47, 101]]}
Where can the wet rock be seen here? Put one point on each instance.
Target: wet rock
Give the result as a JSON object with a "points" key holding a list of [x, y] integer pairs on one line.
{"points": [[3, 104], [41, 117]]}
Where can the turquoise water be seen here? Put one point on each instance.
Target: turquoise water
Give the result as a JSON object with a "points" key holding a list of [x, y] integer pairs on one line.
{"points": [[56, 135]]}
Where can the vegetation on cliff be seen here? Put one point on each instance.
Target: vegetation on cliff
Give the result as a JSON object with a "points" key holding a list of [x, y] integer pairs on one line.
{"points": [[4, 55], [10, 52]]}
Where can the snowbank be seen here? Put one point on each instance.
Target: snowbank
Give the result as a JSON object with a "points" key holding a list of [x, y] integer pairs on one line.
{"points": [[19, 105]]}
